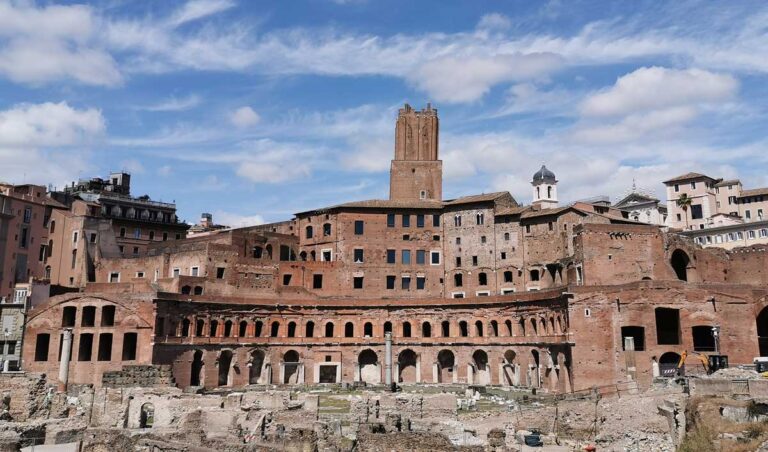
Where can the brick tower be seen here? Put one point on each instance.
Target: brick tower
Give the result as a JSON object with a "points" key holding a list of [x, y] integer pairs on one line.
{"points": [[416, 172]]}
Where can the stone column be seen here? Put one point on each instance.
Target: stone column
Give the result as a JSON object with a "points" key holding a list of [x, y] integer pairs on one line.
{"points": [[66, 351], [418, 368], [435, 373], [388, 358], [470, 374], [629, 357]]}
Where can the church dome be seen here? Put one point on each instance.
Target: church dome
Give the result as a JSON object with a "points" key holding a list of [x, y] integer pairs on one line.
{"points": [[544, 175]]}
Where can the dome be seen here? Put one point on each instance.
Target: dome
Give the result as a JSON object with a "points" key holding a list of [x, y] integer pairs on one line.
{"points": [[544, 175]]}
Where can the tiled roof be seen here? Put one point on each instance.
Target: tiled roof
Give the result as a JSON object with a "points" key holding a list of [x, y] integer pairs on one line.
{"points": [[512, 210], [687, 176], [382, 204], [476, 198], [727, 182], [754, 192], [546, 212]]}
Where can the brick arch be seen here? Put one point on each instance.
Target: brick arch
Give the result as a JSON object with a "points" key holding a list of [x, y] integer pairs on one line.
{"points": [[81, 300]]}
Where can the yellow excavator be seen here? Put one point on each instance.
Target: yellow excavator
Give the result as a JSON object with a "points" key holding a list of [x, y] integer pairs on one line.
{"points": [[703, 358]]}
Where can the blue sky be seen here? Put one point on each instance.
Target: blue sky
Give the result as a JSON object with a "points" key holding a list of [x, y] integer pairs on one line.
{"points": [[255, 110]]}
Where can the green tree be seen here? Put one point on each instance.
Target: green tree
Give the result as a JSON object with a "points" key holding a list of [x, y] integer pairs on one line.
{"points": [[684, 202]]}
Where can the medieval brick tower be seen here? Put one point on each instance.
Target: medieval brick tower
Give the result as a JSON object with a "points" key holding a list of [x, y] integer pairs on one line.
{"points": [[416, 172]]}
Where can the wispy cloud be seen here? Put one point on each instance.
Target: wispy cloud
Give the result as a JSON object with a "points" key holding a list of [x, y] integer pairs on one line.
{"points": [[173, 104]]}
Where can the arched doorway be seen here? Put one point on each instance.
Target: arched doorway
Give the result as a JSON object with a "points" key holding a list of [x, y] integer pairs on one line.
{"points": [[668, 365], [482, 372], [196, 377], [680, 262], [406, 361], [225, 367], [291, 366], [147, 416], [511, 376], [369, 367], [256, 367], [534, 377], [762, 331], [446, 363]]}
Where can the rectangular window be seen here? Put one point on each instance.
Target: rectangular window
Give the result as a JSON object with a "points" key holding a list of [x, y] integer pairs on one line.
{"points": [[130, 341], [357, 282], [474, 261], [693, 185], [93, 237], [748, 215], [137, 233], [503, 255], [219, 272], [194, 271], [165, 236], [458, 261], [151, 235], [326, 255], [358, 258], [436, 220], [527, 228], [105, 347], [406, 221], [406, 257], [667, 326], [696, 212], [677, 188], [421, 282], [359, 227], [122, 232], [406, 282], [435, 257], [27, 215], [42, 346], [23, 239], [390, 220], [85, 349], [390, 282], [287, 279], [637, 333], [421, 257], [391, 256], [483, 239], [176, 272], [135, 250], [420, 221], [74, 259], [74, 237], [108, 316], [89, 316], [679, 217], [317, 281], [551, 226]]}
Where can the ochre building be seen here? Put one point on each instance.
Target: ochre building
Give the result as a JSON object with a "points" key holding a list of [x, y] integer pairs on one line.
{"points": [[414, 289]]}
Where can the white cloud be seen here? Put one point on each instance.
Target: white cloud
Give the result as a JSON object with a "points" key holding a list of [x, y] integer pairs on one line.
{"points": [[47, 142], [651, 88], [234, 220], [132, 166], [49, 124], [174, 104], [244, 117], [198, 9], [651, 126], [40, 45], [494, 21], [456, 79]]}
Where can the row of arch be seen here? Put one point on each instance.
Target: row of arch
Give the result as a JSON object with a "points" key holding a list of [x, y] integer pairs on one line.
{"points": [[534, 325], [547, 368]]}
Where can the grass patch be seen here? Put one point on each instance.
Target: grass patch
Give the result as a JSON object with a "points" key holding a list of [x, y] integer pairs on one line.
{"points": [[333, 405]]}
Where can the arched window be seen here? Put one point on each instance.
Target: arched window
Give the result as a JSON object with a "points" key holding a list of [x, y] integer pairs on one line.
{"points": [[329, 329], [303, 255], [147, 416], [243, 328], [479, 328], [291, 329], [445, 327], [680, 262], [368, 329], [257, 328], [198, 290], [275, 329], [185, 326], [508, 324], [309, 232], [214, 330], [349, 329], [313, 255], [482, 279], [406, 329], [326, 229], [200, 328], [387, 327], [507, 276], [309, 329], [538, 192], [463, 329], [186, 290], [257, 252], [494, 328], [269, 251], [228, 328], [426, 329], [549, 192], [53, 226]]}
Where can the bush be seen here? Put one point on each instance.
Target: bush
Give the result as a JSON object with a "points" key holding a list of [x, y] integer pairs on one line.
{"points": [[699, 439]]}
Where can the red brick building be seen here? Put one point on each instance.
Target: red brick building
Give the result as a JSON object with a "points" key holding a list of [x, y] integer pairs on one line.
{"points": [[474, 290]]}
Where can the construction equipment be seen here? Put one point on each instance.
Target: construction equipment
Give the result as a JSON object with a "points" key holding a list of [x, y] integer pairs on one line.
{"points": [[711, 363]]}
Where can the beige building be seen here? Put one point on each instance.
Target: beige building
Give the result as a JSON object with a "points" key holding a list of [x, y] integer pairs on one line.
{"points": [[714, 203]]}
